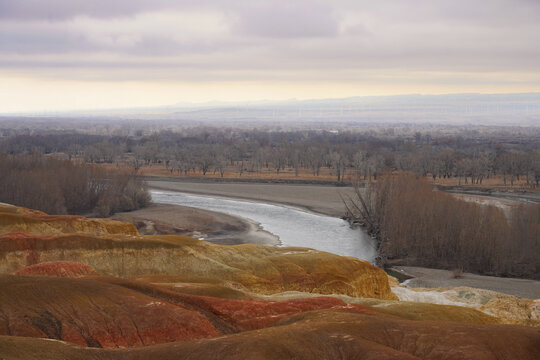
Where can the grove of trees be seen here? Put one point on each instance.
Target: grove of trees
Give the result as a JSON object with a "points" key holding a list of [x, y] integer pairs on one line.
{"points": [[466, 156], [416, 225], [62, 186]]}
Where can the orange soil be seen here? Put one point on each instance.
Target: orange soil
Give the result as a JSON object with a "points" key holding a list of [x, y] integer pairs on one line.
{"points": [[58, 268]]}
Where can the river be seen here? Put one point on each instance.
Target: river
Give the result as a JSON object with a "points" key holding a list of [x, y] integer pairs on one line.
{"points": [[293, 226]]}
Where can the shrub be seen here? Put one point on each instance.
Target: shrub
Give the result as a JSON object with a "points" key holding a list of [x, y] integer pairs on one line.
{"points": [[61, 186]]}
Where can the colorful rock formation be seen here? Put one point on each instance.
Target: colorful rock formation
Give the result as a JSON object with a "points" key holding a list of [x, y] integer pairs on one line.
{"points": [[18, 219], [322, 334], [94, 313], [252, 268], [509, 309], [87, 283], [105, 312], [58, 268]]}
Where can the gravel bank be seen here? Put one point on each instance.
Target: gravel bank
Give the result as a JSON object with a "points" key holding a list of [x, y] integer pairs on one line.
{"points": [[435, 278]]}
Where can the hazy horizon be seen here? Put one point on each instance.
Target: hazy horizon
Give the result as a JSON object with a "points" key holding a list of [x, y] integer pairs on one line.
{"points": [[453, 109], [215, 103]]}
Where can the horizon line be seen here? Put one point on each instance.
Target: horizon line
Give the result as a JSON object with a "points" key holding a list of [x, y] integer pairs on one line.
{"points": [[214, 103]]}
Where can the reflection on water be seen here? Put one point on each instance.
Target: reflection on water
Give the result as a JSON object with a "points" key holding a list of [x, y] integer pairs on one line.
{"points": [[294, 227]]}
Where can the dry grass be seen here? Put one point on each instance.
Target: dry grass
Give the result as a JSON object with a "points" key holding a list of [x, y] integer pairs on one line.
{"points": [[326, 175], [457, 273]]}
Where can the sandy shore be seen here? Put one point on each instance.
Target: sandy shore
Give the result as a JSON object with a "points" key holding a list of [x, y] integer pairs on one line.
{"points": [[503, 203], [205, 225], [434, 278], [322, 199]]}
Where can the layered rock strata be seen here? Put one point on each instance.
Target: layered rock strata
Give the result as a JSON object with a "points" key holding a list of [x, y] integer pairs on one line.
{"points": [[88, 283]]}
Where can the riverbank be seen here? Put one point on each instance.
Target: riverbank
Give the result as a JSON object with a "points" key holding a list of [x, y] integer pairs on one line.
{"points": [[436, 278], [322, 199], [205, 225], [294, 226], [326, 200]]}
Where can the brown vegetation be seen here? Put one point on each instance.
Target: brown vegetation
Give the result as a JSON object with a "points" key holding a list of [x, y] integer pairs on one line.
{"points": [[61, 186], [417, 225], [505, 157]]}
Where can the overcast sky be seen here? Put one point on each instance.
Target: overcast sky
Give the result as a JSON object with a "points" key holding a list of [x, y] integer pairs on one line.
{"points": [[89, 54]]}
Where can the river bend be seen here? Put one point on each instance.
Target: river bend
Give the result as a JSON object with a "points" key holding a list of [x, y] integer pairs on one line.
{"points": [[293, 226]]}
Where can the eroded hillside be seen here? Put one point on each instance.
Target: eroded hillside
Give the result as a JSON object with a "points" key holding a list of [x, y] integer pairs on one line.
{"points": [[87, 283]]}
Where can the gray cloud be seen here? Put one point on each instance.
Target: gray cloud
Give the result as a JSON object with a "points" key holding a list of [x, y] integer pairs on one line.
{"points": [[288, 19], [66, 9], [210, 39]]}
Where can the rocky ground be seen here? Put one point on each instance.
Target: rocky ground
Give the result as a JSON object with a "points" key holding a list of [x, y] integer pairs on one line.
{"points": [[80, 288]]}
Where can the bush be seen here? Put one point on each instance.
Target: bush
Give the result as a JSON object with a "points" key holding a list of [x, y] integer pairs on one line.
{"points": [[61, 186]]}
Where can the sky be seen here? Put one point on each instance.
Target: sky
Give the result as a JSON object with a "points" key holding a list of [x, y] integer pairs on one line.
{"points": [[81, 54]]}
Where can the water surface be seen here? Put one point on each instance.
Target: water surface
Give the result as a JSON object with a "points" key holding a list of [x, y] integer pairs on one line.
{"points": [[294, 226]]}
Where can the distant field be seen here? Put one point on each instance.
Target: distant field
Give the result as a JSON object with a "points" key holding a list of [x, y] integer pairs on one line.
{"points": [[326, 176]]}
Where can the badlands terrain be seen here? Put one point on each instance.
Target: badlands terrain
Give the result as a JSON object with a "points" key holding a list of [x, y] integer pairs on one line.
{"points": [[81, 288]]}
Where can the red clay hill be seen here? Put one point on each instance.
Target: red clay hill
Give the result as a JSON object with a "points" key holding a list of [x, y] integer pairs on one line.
{"points": [[81, 289], [58, 268]]}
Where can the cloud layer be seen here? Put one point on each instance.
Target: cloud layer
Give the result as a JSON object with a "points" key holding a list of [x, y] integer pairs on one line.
{"points": [[390, 42]]}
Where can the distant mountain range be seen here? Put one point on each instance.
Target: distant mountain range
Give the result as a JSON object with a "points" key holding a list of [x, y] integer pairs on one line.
{"points": [[497, 109]]}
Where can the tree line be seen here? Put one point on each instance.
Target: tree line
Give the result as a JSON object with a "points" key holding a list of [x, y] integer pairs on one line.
{"points": [[414, 224], [470, 157], [64, 187]]}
